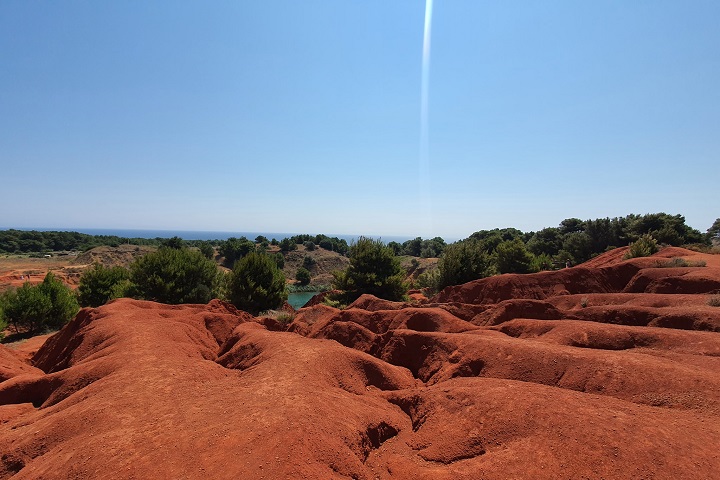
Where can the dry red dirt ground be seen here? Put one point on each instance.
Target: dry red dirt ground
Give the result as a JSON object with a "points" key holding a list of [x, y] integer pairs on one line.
{"points": [[605, 370]]}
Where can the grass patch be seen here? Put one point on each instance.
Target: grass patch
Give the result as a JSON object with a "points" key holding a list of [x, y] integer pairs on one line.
{"points": [[308, 288], [675, 262], [714, 301]]}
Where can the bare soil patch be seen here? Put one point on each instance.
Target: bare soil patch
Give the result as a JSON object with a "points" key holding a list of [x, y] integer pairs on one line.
{"points": [[557, 375]]}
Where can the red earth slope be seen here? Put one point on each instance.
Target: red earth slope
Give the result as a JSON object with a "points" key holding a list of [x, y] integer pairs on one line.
{"points": [[557, 375]]}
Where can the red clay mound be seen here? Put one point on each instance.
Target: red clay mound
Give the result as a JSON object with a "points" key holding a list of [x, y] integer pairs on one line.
{"points": [[509, 309], [539, 286], [12, 365], [609, 258], [560, 375]]}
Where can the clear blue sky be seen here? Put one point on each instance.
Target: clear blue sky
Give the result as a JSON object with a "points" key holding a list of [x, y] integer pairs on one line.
{"points": [[304, 116]]}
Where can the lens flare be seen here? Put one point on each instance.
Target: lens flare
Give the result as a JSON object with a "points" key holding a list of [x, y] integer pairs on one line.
{"points": [[424, 127]]}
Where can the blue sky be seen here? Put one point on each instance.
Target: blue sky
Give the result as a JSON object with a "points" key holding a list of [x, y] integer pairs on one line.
{"points": [[304, 116]]}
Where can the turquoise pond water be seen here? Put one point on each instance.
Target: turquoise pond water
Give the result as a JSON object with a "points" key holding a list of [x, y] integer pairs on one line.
{"points": [[298, 299]]}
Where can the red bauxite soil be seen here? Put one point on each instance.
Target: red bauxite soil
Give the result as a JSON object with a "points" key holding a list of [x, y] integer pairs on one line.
{"points": [[605, 370]]}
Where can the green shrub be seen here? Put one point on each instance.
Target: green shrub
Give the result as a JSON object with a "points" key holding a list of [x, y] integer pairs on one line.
{"points": [[309, 245], [308, 262], [285, 319], [303, 276], [286, 245], [48, 305], [542, 262], [279, 260], [643, 247], [233, 249], [429, 280], [513, 257], [99, 284], [463, 262], [374, 269], [256, 284], [207, 250], [174, 276], [174, 242], [334, 302]]}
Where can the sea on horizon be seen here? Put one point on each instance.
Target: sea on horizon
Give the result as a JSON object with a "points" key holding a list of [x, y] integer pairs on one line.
{"points": [[202, 235]]}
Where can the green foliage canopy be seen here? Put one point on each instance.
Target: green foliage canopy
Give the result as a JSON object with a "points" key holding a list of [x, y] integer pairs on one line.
{"points": [[174, 276], [463, 262], [373, 269], [303, 276], [50, 304], [100, 284], [233, 249], [513, 257], [256, 284]]}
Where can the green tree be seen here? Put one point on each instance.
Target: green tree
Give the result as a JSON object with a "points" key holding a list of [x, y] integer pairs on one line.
{"points": [[432, 248], [174, 242], [256, 284], [303, 276], [373, 269], [714, 230], [100, 284], [513, 257], [463, 262], [308, 262], [279, 260], [579, 245], [286, 245], [542, 262], [571, 225], [547, 241], [233, 249], [413, 247], [207, 249], [174, 276], [49, 304]]}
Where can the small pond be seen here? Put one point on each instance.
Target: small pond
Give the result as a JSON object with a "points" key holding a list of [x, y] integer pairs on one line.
{"points": [[299, 299]]}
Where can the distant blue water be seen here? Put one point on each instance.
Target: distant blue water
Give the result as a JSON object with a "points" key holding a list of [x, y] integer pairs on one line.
{"points": [[204, 235]]}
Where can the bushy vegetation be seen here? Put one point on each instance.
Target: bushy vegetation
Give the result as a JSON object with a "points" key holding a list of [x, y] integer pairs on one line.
{"points": [[463, 262], [676, 262], [310, 242], [513, 257], [713, 232], [373, 269], [34, 308], [100, 284], [279, 260], [287, 245], [308, 262], [233, 249], [714, 301], [31, 241], [302, 276], [418, 247], [256, 284], [174, 276], [644, 246]]}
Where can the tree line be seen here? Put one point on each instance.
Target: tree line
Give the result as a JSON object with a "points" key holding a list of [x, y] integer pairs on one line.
{"points": [[176, 273]]}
